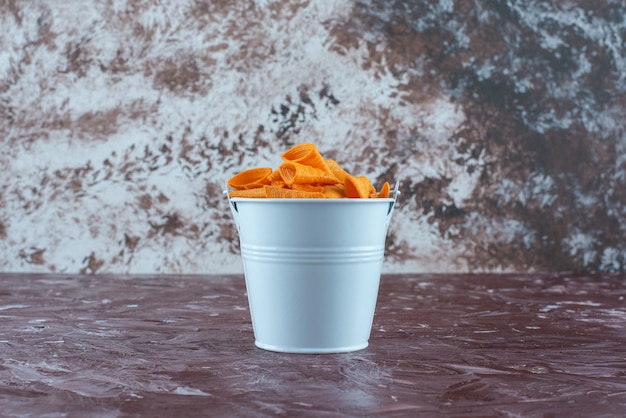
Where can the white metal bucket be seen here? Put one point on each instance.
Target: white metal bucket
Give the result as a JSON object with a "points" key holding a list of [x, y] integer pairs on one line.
{"points": [[312, 269]]}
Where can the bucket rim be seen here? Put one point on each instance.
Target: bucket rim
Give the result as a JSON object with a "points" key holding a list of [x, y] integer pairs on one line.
{"points": [[393, 197], [316, 200]]}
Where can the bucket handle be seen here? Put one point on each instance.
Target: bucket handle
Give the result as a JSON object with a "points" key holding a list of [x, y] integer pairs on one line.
{"points": [[233, 206], [392, 205], [394, 195]]}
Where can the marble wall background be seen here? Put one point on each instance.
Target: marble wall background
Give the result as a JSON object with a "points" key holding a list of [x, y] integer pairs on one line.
{"points": [[503, 120]]}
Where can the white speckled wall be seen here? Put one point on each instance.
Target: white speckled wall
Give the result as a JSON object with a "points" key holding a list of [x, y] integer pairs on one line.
{"points": [[120, 121]]}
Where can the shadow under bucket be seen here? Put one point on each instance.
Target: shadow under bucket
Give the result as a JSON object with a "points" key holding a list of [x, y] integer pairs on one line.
{"points": [[312, 269]]}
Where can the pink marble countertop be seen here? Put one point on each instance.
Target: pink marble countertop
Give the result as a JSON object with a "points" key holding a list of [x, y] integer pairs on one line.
{"points": [[441, 345]]}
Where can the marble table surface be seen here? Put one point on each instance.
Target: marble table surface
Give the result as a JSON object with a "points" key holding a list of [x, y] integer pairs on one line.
{"points": [[441, 345]]}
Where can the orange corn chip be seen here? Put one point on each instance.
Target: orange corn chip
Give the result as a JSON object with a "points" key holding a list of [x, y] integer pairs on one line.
{"points": [[275, 177], [300, 173], [304, 174], [308, 188], [258, 192], [251, 178], [357, 187], [384, 191], [336, 169], [279, 192], [334, 192], [306, 154]]}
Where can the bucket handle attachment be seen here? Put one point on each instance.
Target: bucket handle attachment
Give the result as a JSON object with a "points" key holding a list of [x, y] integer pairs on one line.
{"points": [[392, 205], [232, 204], [394, 196]]}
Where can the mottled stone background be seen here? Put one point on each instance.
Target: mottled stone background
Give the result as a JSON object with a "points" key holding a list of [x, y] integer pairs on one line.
{"points": [[503, 120]]}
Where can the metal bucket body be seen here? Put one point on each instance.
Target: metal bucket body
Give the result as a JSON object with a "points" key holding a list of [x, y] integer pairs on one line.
{"points": [[312, 270]]}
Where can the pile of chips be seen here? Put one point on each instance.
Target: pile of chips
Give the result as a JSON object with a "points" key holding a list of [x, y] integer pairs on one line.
{"points": [[304, 173]]}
